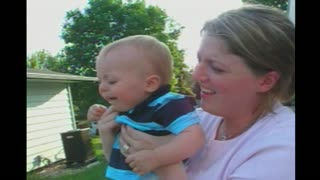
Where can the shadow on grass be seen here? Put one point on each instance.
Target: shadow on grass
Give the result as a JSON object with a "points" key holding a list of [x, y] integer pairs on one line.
{"points": [[96, 172]]}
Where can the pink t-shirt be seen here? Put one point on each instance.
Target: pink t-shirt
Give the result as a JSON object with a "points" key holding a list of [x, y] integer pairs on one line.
{"points": [[266, 151]]}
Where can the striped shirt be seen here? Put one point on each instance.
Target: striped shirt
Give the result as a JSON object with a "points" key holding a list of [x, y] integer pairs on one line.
{"points": [[160, 114]]}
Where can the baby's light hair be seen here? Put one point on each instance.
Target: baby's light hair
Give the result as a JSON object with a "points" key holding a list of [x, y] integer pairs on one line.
{"points": [[155, 51]]}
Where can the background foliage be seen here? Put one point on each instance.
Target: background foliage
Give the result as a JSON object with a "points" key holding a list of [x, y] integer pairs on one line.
{"points": [[281, 4], [86, 31]]}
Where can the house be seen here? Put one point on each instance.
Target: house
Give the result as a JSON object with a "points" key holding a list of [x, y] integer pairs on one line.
{"points": [[49, 113]]}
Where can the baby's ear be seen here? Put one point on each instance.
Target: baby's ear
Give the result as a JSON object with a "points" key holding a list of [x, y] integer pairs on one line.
{"points": [[152, 83]]}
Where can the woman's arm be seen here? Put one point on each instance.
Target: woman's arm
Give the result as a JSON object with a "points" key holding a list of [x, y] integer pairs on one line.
{"points": [[172, 171], [182, 146], [138, 140]]}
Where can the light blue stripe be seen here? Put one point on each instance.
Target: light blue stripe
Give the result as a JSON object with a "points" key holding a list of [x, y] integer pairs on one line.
{"points": [[165, 99], [140, 126], [116, 142], [119, 174], [175, 127], [183, 122]]}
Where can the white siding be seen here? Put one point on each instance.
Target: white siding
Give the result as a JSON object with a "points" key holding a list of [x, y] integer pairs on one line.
{"points": [[48, 115]]}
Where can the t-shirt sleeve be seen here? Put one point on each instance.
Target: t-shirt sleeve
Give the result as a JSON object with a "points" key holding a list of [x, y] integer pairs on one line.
{"points": [[177, 115]]}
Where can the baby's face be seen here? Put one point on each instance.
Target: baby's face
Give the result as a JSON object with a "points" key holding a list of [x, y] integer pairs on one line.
{"points": [[122, 79]]}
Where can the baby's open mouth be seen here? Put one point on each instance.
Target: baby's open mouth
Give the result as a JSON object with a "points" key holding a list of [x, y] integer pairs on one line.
{"points": [[111, 99]]}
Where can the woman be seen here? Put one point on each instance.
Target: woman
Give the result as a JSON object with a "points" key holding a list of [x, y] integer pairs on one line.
{"points": [[246, 69]]}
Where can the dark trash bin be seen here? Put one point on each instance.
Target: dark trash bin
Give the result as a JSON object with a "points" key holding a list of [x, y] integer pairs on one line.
{"points": [[77, 146]]}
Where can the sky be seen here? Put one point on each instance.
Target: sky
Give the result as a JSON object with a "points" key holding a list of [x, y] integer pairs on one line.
{"points": [[46, 17]]}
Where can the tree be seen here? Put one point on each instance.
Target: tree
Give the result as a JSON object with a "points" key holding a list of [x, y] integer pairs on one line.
{"points": [[103, 21], [281, 4], [44, 60], [39, 60]]}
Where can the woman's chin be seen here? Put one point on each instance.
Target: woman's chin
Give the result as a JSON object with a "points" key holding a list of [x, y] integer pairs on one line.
{"points": [[204, 105], [207, 107]]}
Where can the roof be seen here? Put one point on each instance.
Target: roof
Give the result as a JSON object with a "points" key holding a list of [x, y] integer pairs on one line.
{"points": [[36, 74]]}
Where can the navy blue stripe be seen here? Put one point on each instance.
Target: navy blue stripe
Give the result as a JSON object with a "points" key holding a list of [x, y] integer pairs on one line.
{"points": [[158, 133], [117, 160], [144, 115], [173, 110], [140, 108], [166, 114]]}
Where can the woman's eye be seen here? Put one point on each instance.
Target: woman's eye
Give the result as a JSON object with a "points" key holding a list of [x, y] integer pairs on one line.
{"points": [[216, 69]]}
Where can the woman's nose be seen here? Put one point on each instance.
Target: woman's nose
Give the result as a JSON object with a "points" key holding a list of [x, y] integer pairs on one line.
{"points": [[199, 73]]}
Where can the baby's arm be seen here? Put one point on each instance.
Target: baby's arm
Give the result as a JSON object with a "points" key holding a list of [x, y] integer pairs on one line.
{"points": [[183, 146], [95, 112], [106, 126], [107, 131]]}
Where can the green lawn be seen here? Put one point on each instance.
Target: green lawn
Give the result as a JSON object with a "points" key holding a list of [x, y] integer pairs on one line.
{"points": [[93, 173]]}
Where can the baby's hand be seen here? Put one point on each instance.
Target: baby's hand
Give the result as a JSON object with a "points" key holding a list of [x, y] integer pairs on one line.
{"points": [[143, 161], [95, 112]]}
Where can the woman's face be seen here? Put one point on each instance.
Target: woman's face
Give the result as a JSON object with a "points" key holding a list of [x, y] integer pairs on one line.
{"points": [[227, 84]]}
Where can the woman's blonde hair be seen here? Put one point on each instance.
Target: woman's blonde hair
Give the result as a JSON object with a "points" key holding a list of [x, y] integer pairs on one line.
{"points": [[264, 38], [155, 51]]}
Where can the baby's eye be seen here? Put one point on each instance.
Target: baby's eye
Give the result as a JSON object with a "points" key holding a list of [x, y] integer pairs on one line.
{"points": [[112, 82]]}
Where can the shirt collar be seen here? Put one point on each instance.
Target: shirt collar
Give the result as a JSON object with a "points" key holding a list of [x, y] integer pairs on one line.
{"points": [[156, 94]]}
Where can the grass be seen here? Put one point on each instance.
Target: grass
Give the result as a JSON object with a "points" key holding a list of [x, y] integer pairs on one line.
{"points": [[95, 172]]}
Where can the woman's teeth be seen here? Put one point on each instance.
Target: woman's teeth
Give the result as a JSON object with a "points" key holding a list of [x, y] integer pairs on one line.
{"points": [[208, 92]]}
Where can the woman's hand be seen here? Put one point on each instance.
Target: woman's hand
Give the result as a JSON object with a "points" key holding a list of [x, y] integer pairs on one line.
{"points": [[139, 149], [143, 161], [135, 140]]}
